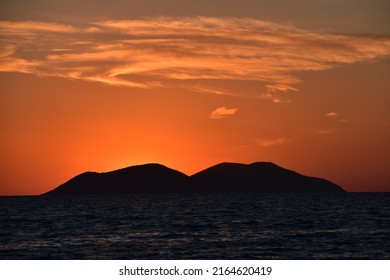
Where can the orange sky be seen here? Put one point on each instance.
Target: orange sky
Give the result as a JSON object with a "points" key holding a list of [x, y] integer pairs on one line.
{"points": [[188, 87]]}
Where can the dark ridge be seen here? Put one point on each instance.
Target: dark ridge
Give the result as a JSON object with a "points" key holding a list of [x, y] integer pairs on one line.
{"points": [[257, 177], [148, 178], [224, 177]]}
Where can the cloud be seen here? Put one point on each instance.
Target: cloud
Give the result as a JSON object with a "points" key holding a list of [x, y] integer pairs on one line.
{"points": [[191, 50], [273, 142], [274, 98], [332, 114], [222, 112], [33, 27]]}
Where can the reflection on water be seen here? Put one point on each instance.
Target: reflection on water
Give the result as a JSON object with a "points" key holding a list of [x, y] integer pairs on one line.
{"points": [[197, 226]]}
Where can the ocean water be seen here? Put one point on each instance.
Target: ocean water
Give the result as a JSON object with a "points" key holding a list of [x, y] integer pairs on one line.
{"points": [[197, 226]]}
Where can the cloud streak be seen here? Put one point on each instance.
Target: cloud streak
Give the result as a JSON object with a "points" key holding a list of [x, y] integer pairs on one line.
{"points": [[156, 51], [273, 142]]}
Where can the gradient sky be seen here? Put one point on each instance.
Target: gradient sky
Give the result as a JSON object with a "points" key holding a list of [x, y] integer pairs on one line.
{"points": [[101, 85]]}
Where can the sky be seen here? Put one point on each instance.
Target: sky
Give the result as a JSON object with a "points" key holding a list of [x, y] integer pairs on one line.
{"points": [[102, 85]]}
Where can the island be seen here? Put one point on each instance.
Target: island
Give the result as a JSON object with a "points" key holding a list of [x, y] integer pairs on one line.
{"points": [[258, 177]]}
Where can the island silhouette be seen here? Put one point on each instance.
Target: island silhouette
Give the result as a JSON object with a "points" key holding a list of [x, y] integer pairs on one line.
{"points": [[258, 177]]}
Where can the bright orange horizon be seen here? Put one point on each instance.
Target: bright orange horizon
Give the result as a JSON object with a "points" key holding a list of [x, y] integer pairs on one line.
{"points": [[190, 86]]}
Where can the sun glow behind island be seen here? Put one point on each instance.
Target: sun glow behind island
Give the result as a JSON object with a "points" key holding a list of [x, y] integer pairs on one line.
{"points": [[190, 92]]}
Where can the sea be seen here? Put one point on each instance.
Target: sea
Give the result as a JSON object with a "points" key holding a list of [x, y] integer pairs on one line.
{"points": [[196, 226]]}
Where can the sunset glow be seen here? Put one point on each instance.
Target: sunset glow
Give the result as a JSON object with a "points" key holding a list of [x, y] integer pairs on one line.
{"points": [[188, 90]]}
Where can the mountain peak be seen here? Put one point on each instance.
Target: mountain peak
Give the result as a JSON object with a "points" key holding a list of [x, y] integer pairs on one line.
{"points": [[264, 163]]}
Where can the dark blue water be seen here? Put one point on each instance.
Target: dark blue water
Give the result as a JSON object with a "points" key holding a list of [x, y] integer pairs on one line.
{"points": [[195, 226]]}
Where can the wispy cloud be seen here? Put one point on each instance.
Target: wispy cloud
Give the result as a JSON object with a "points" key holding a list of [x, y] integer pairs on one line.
{"points": [[274, 99], [145, 53], [337, 117], [332, 114], [273, 142], [222, 112]]}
